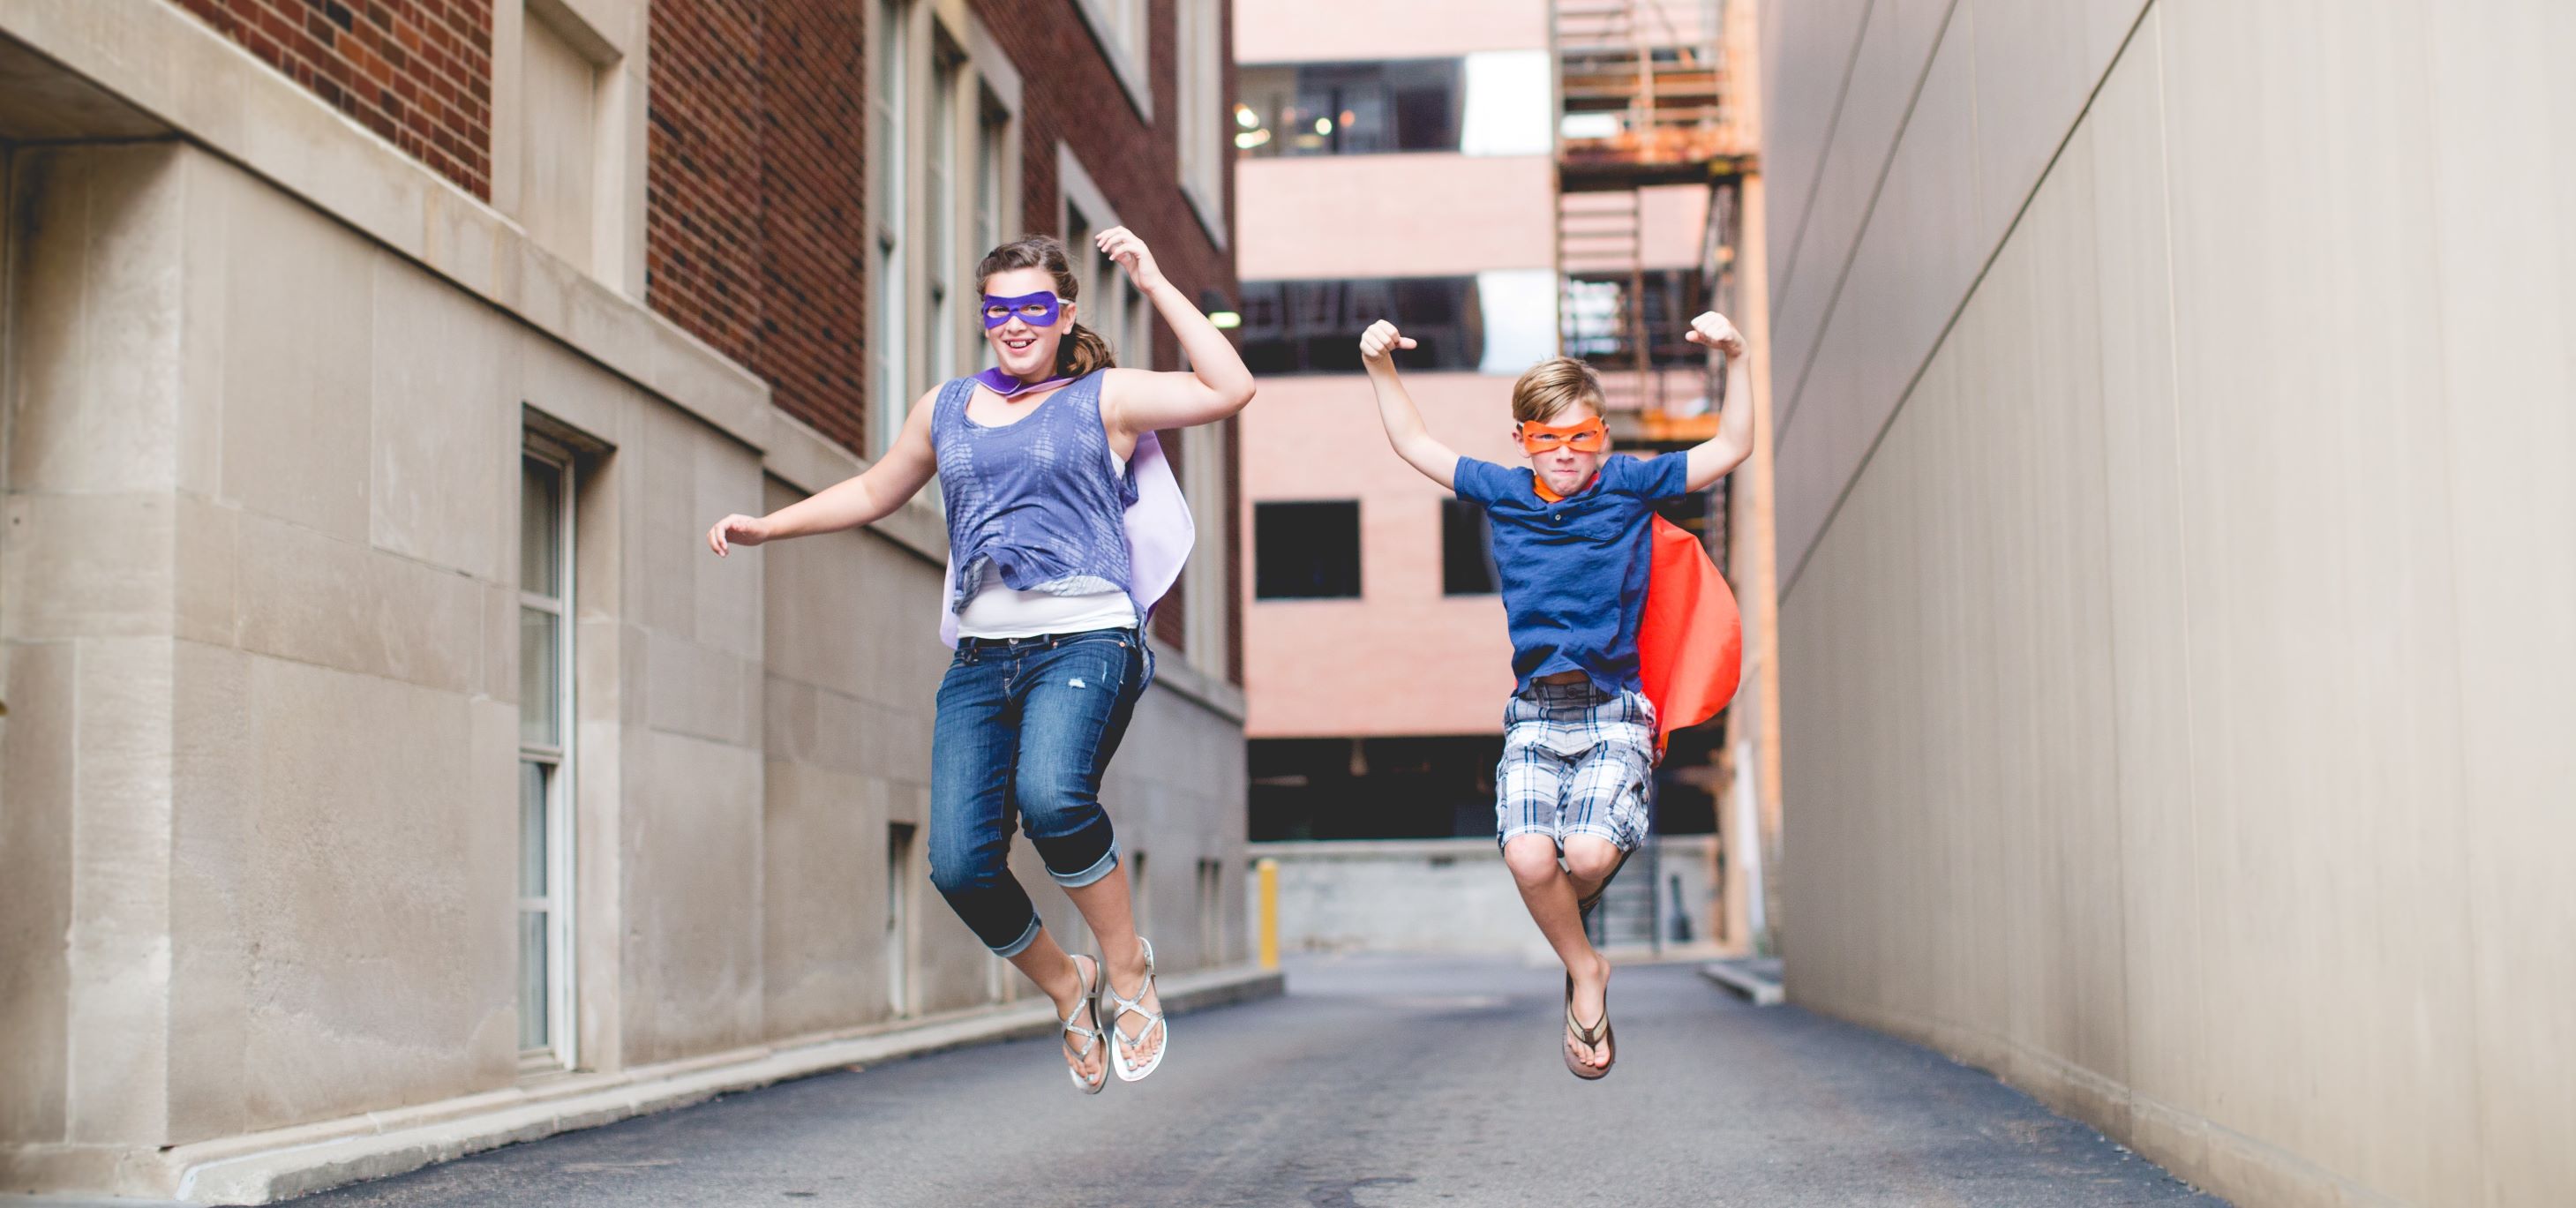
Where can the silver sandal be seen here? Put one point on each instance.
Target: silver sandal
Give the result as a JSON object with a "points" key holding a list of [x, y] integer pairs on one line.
{"points": [[1091, 1036], [1125, 1006]]}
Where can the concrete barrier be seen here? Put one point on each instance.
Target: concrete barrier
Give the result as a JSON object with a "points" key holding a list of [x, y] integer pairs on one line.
{"points": [[1438, 895]]}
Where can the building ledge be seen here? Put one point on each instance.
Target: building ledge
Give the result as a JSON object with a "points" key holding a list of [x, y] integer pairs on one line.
{"points": [[145, 67]]}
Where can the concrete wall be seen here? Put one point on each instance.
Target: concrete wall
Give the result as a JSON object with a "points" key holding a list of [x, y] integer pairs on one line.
{"points": [[2173, 477], [1356, 31], [1440, 895], [258, 816]]}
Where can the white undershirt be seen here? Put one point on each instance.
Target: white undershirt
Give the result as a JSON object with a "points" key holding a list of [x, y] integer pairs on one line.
{"points": [[999, 610], [1003, 611]]}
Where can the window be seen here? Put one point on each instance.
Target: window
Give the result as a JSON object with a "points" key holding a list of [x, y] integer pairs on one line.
{"points": [[559, 133], [1202, 117], [1306, 551], [1120, 28], [1314, 326], [1211, 887], [1137, 351], [939, 239], [1466, 549], [1108, 305], [992, 167], [545, 768], [1206, 597], [1348, 108], [1371, 788], [886, 203], [1139, 892], [898, 918]]}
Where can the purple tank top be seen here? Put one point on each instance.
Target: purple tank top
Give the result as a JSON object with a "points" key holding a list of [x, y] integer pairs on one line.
{"points": [[1038, 502]]}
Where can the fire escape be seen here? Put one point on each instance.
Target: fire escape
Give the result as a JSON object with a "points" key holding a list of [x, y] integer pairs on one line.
{"points": [[1642, 105], [1645, 134]]}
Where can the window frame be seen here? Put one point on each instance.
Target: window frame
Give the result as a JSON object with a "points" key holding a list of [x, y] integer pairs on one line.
{"points": [[1123, 29], [1385, 81], [1110, 304], [902, 917], [610, 35], [562, 1048], [944, 109], [1295, 317], [941, 210], [890, 146], [1205, 114]]}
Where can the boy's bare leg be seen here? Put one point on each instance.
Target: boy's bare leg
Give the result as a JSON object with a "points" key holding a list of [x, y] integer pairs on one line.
{"points": [[1550, 895], [1589, 863]]}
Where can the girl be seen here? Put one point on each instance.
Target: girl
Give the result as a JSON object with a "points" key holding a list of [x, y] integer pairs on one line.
{"points": [[1038, 463]]}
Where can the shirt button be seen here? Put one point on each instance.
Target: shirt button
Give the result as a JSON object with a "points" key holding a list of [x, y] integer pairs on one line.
{"points": [[1557, 516]]}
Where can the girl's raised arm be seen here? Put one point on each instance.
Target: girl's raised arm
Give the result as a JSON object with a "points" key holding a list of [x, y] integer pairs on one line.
{"points": [[1217, 385]]}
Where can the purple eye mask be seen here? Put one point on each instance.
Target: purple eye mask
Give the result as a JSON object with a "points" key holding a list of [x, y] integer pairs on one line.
{"points": [[1040, 309]]}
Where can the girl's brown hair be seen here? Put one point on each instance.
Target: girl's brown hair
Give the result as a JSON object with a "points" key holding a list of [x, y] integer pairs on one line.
{"points": [[1551, 386], [1082, 350]]}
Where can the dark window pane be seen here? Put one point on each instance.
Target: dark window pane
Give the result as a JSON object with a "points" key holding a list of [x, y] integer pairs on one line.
{"points": [[1314, 326], [1425, 98], [1466, 549], [1348, 108], [1306, 550], [1375, 788]]}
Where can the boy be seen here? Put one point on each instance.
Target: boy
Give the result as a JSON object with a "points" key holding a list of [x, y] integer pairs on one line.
{"points": [[1570, 543]]}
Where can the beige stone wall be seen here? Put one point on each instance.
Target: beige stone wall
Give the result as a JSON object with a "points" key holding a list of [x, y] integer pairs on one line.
{"points": [[2177, 687], [258, 574]]}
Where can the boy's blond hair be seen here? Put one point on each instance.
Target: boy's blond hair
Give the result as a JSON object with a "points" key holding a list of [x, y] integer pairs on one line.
{"points": [[1551, 386]]}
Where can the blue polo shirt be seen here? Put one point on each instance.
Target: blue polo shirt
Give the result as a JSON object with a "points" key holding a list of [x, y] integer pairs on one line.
{"points": [[1574, 571]]}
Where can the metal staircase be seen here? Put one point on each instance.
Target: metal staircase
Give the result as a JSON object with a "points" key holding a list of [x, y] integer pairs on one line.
{"points": [[1641, 88], [1642, 102]]}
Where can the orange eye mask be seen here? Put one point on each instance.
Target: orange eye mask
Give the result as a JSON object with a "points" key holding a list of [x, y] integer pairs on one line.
{"points": [[1590, 436]]}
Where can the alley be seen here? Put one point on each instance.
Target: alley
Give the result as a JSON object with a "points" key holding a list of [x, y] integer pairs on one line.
{"points": [[1377, 1081]]}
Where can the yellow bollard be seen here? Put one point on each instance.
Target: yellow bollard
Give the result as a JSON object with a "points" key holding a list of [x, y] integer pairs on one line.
{"points": [[1267, 869]]}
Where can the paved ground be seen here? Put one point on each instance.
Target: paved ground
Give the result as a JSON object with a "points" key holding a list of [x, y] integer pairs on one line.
{"points": [[1377, 1081]]}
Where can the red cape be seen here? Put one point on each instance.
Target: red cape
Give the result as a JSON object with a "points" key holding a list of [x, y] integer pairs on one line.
{"points": [[1690, 643]]}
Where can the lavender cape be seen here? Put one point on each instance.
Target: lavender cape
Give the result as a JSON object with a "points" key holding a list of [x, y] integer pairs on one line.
{"points": [[1159, 536]]}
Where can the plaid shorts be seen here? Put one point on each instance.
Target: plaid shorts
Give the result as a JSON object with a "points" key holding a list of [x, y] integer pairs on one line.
{"points": [[1575, 762]]}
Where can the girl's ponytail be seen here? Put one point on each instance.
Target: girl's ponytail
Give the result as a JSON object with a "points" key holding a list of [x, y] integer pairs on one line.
{"points": [[1082, 352]]}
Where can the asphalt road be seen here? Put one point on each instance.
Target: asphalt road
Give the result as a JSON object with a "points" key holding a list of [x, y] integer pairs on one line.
{"points": [[1377, 1082]]}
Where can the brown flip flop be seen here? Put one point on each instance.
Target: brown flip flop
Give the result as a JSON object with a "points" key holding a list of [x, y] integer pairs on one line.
{"points": [[1592, 1037]]}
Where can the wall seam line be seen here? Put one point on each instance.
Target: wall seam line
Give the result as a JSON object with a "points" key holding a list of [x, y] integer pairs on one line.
{"points": [[1868, 214], [1833, 127], [1780, 430]]}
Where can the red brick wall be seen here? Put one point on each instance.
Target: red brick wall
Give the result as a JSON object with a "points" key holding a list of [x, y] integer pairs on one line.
{"points": [[814, 231], [756, 225], [1073, 96], [755, 231], [417, 72]]}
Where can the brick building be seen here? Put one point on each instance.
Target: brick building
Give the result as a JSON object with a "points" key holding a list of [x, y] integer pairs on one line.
{"points": [[379, 747]]}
